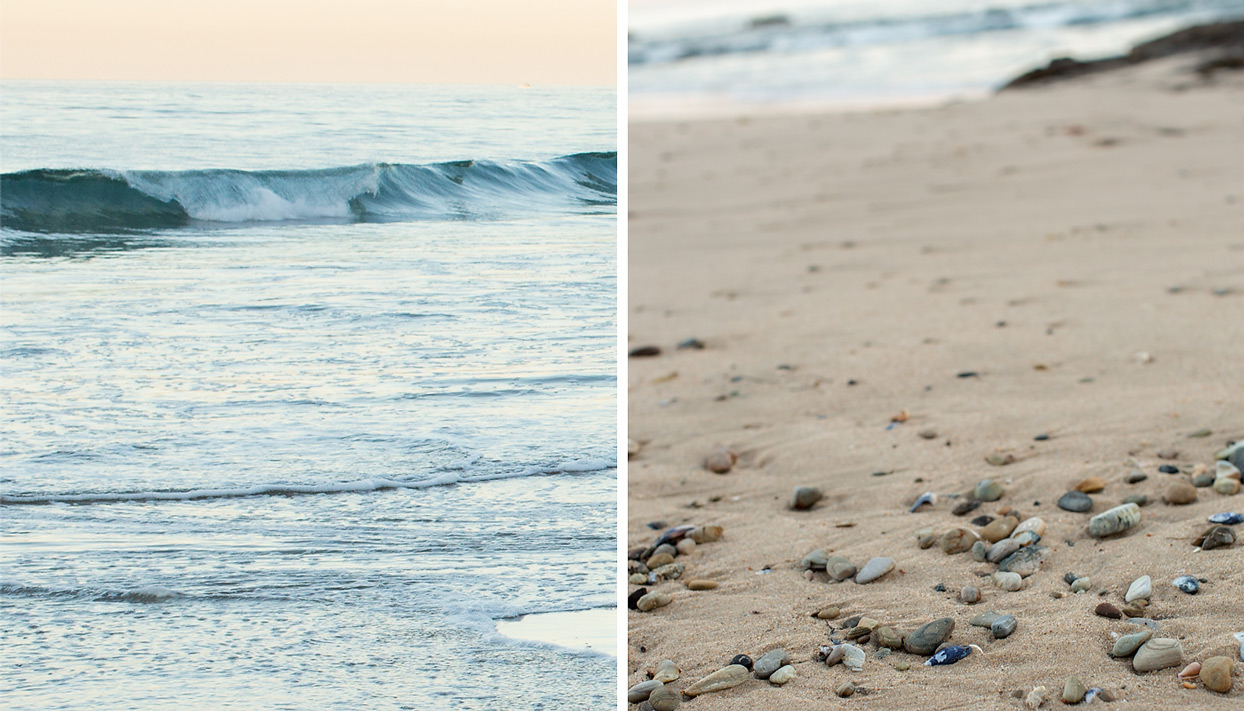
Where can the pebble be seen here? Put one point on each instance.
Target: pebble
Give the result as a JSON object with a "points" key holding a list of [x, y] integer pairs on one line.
{"points": [[1025, 561], [840, 568], [903, 665], [979, 551], [1136, 476], [1216, 674], [1082, 585], [783, 675], [948, 655], [887, 637], [928, 636], [667, 671], [652, 601], [720, 460], [1180, 493], [1115, 520], [742, 660], [1158, 653], [1070, 578], [1008, 581], [1105, 609], [958, 540], [1141, 588], [998, 529], [1227, 486], [1090, 485], [642, 690], [816, 560], [1073, 691], [1187, 584], [633, 600], [984, 619], [669, 571], [1138, 499], [700, 584], [1143, 622], [805, 497], [845, 689], [664, 698], [1075, 501], [644, 352], [705, 534], [770, 662], [637, 579], [1203, 480], [1000, 550], [925, 538], [987, 490], [1230, 518], [1239, 637], [982, 520], [1135, 609], [1127, 645], [928, 434], [828, 613], [834, 655], [874, 569], [1003, 627], [1223, 470], [1168, 469], [1216, 537], [659, 559], [970, 595], [685, 546], [1167, 454], [999, 459], [663, 549], [965, 507], [852, 657], [1034, 525], [720, 680], [1035, 698]]}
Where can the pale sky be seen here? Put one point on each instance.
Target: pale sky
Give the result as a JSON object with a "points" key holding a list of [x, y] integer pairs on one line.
{"points": [[542, 42]]}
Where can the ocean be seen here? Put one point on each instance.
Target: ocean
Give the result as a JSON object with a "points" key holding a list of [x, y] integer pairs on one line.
{"points": [[702, 56], [305, 390]]}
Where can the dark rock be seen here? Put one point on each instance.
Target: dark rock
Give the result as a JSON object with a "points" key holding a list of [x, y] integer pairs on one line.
{"points": [[692, 343], [1168, 469], [965, 507], [926, 639], [1075, 501], [982, 520], [644, 352], [742, 660], [1107, 610], [634, 598]]}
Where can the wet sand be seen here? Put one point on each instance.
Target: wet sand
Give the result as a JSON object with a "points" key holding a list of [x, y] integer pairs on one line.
{"points": [[1079, 247], [582, 629]]}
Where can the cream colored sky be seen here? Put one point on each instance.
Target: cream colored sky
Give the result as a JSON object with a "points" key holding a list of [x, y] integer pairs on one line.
{"points": [[456, 41]]}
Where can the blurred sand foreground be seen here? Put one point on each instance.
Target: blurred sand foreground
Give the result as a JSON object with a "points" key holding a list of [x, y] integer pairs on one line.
{"points": [[1080, 247]]}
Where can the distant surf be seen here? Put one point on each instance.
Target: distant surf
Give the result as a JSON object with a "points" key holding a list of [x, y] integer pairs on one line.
{"points": [[107, 201]]}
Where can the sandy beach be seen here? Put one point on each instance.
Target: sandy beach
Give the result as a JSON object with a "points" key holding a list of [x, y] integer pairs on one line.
{"points": [[1075, 252]]}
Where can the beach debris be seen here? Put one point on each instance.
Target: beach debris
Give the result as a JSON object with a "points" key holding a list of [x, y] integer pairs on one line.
{"points": [[667, 671], [694, 344], [720, 680], [873, 569], [1141, 588], [642, 690], [1073, 691], [805, 497], [782, 675], [1230, 518], [1127, 645], [1187, 584], [1075, 501], [1003, 627], [1191, 671], [770, 662], [926, 638], [742, 660], [720, 461], [1215, 537], [845, 689], [927, 497], [644, 352], [951, 654], [1216, 674], [1035, 698], [1115, 520], [1158, 653], [1180, 493]]}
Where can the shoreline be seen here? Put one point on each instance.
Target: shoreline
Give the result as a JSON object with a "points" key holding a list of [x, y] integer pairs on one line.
{"points": [[582, 630]]}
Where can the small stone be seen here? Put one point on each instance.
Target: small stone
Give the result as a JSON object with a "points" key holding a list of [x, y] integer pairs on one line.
{"points": [[644, 352], [667, 671], [1107, 610], [770, 662], [1127, 645], [700, 584], [652, 601], [926, 539], [999, 529], [928, 434], [1186, 584], [1090, 485], [663, 549], [982, 520], [840, 568], [1075, 501], [987, 490], [1180, 493], [979, 551], [1115, 520], [664, 698], [1141, 588], [1227, 470], [1158, 653], [1203, 480], [874, 569], [887, 637], [1034, 525], [1168, 454], [816, 560], [984, 619], [685, 546], [965, 507], [632, 601], [999, 459], [706, 534], [903, 665], [726, 678], [1073, 691], [845, 689], [828, 613], [1136, 476], [852, 657], [1168, 469], [1070, 578], [669, 571], [642, 690], [958, 540], [1216, 674], [742, 660], [1227, 486], [1138, 499], [1081, 585], [1025, 561], [1216, 537], [925, 639], [1008, 581], [659, 559], [783, 675], [1000, 550], [1003, 627], [970, 595], [805, 497], [637, 579], [1135, 609]]}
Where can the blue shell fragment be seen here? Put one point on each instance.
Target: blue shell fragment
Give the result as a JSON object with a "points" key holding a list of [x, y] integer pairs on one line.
{"points": [[1229, 518], [949, 655], [1091, 694], [1187, 583], [926, 498]]}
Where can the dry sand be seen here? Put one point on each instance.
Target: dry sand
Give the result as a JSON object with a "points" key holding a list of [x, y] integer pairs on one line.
{"points": [[1042, 238]]}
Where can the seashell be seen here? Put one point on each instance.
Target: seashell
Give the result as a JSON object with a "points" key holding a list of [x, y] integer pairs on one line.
{"points": [[1035, 698], [874, 569], [1158, 653], [1114, 521], [640, 691], [783, 675], [1008, 581], [1224, 470], [724, 678], [1230, 518], [1034, 524], [1127, 645], [852, 657], [950, 655], [1141, 588], [1024, 561], [927, 497], [1186, 583], [1239, 637], [1091, 694], [1191, 671], [667, 671]]}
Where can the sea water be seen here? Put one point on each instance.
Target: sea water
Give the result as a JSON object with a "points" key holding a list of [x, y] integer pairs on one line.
{"points": [[693, 55], [305, 388]]}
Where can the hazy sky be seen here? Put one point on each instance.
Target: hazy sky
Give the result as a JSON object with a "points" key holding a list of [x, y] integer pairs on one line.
{"points": [[459, 41]]}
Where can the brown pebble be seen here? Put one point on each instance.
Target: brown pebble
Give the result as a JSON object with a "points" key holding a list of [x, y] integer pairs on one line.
{"points": [[1107, 610], [1091, 485], [1180, 493], [1216, 674], [828, 613], [720, 460], [928, 434], [999, 529], [700, 584]]}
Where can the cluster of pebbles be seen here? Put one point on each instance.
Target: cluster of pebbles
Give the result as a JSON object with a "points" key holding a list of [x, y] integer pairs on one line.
{"points": [[1005, 539]]}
